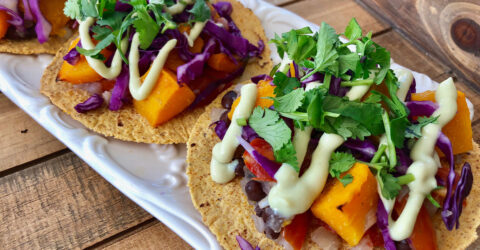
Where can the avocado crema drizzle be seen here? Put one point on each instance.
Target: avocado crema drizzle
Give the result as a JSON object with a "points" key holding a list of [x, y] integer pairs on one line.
{"points": [[293, 195], [139, 90]]}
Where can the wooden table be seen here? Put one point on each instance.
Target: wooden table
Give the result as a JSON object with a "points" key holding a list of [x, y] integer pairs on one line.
{"points": [[52, 199]]}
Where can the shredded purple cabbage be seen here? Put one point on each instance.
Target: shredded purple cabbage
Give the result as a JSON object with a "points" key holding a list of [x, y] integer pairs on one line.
{"points": [[403, 161], [382, 223], [123, 7], [188, 72], [11, 8], [73, 55], [120, 92], [412, 89], [233, 42], [221, 127], [27, 15], [206, 93], [421, 108], [244, 244], [248, 133], [315, 77], [259, 78], [224, 9], [42, 27], [365, 148], [182, 46], [146, 59], [452, 206], [93, 102], [270, 167], [336, 89]]}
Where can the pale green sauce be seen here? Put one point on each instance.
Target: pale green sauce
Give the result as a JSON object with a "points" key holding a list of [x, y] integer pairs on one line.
{"points": [[424, 166], [221, 169], [140, 90], [195, 32], [96, 64], [178, 7], [405, 79]]}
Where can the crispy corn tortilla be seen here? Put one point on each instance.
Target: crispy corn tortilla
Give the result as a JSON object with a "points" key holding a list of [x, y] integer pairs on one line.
{"points": [[32, 46], [226, 211], [127, 124]]}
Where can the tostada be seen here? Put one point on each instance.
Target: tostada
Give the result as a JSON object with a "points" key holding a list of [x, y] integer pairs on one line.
{"points": [[143, 71], [335, 150], [33, 26]]}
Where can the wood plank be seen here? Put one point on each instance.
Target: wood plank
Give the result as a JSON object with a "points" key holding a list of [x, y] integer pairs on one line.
{"points": [[154, 235], [23, 139], [62, 203], [337, 14], [448, 30]]}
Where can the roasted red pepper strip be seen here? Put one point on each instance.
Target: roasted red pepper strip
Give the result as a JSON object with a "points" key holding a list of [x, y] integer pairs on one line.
{"points": [[262, 147], [295, 232]]}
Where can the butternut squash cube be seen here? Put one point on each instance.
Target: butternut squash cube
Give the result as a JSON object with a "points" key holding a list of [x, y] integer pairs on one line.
{"points": [[345, 208], [166, 100], [459, 129], [264, 90]]}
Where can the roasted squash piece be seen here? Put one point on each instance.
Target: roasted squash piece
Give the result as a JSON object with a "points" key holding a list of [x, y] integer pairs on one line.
{"points": [[4, 17], [459, 129], [52, 10], [166, 100], [222, 62], [81, 72], [264, 90], [345, 208]]}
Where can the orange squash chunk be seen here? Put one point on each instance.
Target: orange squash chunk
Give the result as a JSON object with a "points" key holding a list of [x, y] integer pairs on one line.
{"points": [[459, 129], [81, 72], [4, 17], [345, 208], [264, 90], [52, 10], [166, 100], [222, 62]]}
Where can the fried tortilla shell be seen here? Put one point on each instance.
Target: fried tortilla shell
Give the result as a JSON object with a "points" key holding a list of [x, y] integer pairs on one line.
{"points": [[226, 211], [126, 124]]}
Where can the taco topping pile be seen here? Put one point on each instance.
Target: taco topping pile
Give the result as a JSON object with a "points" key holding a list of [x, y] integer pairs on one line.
{"points": [[32, 18], [165, 55], [333, 133]]}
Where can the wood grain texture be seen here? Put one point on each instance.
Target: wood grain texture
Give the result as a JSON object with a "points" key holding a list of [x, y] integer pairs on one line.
{"points": [[22, 139], [62, 203], [152, 236], [433, 26], [337, 14]]}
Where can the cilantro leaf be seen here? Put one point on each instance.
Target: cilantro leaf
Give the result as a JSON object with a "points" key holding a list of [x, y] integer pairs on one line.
{"points": [[415, 130], [348, 62], [353, 30], [268, 125], [388, 184], [284, 84], [373, 98], [367, 114], [398, 127], [289, 102], [326, 54], [349, 128], [200, 11], [347, 179], [340, 163], [287, 154], [316, 114], [145, 26], [72, 9], [297, 43]]}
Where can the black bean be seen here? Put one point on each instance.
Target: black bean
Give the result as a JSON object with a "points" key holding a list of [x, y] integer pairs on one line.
{"points": [[224, 116], [228, 98], [239, 168], [254, 191], [271, 234], [402, 245]]}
